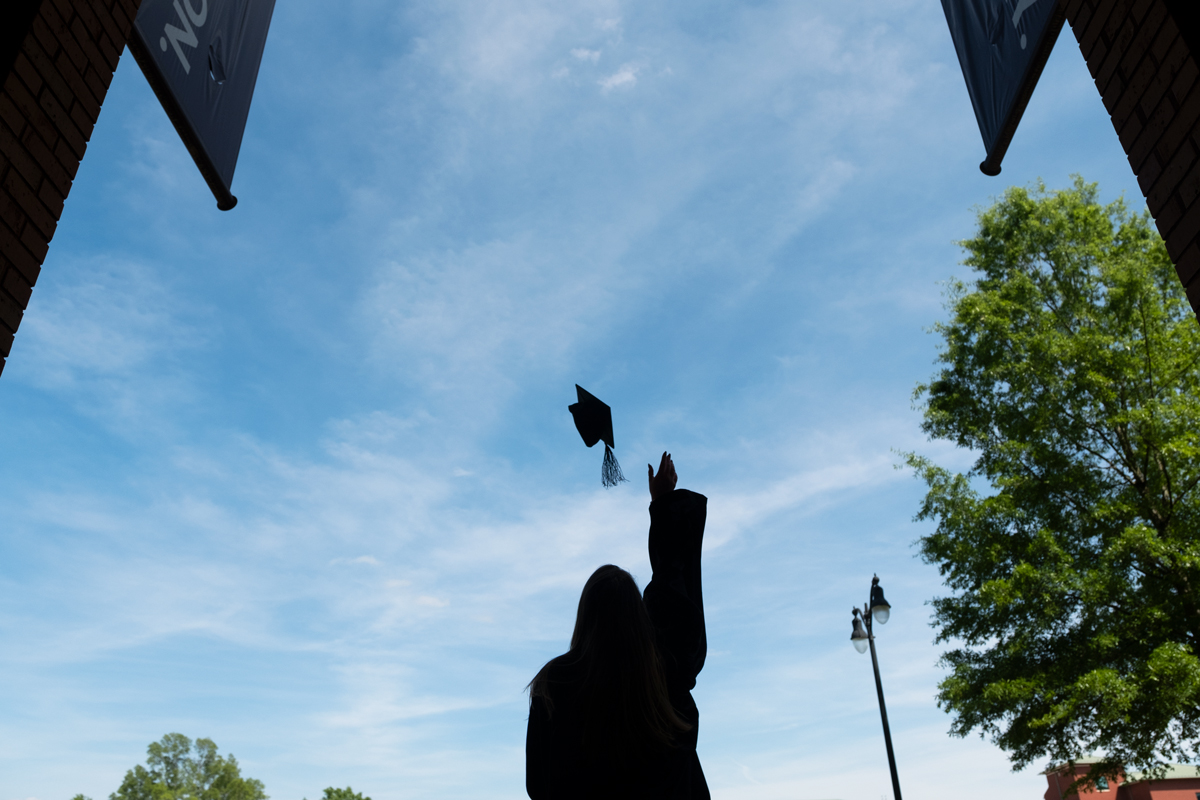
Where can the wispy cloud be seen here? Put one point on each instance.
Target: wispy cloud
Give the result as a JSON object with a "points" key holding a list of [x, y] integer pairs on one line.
{"points": [[369, 560], [624, 77], [108, 325]]}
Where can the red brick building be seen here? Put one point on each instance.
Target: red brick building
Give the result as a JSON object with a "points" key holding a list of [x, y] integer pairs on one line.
{"points": [[57, 59], [1182, 782], [1145, 58]]}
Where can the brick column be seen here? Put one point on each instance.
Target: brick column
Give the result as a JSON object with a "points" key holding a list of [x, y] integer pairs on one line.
{"points": [[1142, 56], [52, 92]]}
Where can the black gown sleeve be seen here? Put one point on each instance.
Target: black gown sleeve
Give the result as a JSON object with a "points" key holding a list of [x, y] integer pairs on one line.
{"points": [[674, 596]]}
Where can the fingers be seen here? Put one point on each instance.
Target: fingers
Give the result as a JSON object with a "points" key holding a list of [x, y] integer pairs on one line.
{"points": [[666, 471], [666, 477]]}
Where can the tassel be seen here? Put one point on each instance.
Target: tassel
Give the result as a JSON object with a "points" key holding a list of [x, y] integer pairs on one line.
{"points": [[610, 472]]}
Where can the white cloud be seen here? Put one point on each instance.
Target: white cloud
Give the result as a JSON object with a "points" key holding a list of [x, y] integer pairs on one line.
{"points": [[482, 314], [625, 76], [586, 55], [109, 334], [370, 560]]}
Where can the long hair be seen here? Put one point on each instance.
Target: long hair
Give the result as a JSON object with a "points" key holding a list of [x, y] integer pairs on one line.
{"points": [[617, 667]]}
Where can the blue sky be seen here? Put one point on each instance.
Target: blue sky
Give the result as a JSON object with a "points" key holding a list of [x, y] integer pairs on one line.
{"points": [[300, 477]]}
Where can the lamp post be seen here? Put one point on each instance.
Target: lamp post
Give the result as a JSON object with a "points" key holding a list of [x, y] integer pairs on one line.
{"points": [[880, 610]]}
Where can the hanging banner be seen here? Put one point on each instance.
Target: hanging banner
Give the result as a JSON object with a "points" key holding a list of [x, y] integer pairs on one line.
{"points": [[201, 58], [1002, 47]]}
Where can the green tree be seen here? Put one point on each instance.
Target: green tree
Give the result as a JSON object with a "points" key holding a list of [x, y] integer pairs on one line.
{"points": [[177, 769], [1071, 371], [342, 794]]}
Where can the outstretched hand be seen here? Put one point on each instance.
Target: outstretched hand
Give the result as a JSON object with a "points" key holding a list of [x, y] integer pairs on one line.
{"points": [[664, 482]]}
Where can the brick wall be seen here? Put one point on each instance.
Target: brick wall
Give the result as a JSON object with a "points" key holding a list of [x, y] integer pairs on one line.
{"points": [[49, 102], [1138, 53]]}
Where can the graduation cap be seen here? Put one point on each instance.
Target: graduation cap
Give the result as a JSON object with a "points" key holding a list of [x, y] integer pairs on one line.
{"points": [[593, 419]]}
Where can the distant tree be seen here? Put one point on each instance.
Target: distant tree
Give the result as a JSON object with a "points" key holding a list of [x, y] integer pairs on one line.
{"points": [[1071, 371], [342, 794], [178, 770], [81, 797]]}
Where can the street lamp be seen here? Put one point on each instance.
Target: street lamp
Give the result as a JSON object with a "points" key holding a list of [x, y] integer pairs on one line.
{"points": [[879, 610]]}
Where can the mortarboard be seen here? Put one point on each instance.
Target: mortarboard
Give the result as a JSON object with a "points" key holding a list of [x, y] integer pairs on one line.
{"points": [[593, 419]]}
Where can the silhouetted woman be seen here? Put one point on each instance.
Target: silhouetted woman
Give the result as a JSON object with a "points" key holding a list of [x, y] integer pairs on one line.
{"points": [[613, 717]]}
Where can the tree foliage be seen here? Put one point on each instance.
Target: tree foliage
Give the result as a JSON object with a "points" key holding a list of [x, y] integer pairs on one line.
{"points": [[1071, 371], [342, 794], [178, 769]]}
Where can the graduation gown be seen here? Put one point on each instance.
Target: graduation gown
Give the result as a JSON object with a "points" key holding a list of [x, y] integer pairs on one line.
{"points": [[556, 764]]}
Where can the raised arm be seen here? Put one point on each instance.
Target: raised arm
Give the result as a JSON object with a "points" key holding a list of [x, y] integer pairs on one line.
{"points": [[674, 596]]}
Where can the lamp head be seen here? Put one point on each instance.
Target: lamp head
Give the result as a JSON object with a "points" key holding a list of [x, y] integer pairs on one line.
{"points": [[858, 637], [881, 610]]}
